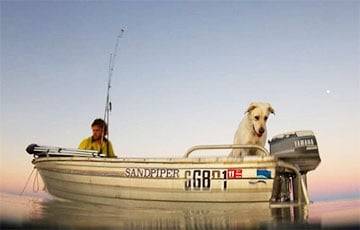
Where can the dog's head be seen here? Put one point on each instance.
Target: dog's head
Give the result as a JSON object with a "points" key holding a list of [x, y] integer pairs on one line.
{"points": [[258, 113]]}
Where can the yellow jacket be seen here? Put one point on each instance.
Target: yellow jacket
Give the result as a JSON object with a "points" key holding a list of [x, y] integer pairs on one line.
{"points": [[89, 144]]}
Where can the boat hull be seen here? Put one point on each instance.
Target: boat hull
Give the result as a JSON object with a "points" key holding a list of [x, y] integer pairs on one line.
{"points": [[109, 181]]}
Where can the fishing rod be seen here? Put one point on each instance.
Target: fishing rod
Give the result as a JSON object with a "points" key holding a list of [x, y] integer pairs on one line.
{"points": [[108, 105]]}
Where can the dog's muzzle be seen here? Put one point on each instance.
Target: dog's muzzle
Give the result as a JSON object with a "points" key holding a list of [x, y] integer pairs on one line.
{"points": [[262, 130]]}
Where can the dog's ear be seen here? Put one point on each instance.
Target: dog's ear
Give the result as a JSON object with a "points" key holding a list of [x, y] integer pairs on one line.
{"points": [[271, 110], [250, 108]]}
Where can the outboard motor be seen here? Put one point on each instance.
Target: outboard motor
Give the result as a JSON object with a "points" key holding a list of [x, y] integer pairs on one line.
{"points": [[298, 148]]}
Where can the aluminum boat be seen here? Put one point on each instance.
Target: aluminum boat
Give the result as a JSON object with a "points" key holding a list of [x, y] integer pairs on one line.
{"points": [[88, 176]]}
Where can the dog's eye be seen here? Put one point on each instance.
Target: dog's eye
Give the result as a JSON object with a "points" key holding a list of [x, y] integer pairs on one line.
{"points": [[265, 118], [257, 118]]}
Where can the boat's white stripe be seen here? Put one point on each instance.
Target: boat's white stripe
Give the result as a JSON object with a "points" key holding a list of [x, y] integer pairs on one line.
{"points": [[163, 167], [121, 174], [111, 199]]}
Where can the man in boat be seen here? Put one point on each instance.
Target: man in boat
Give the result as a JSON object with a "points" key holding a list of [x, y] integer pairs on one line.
{"points": [[98, 140]]}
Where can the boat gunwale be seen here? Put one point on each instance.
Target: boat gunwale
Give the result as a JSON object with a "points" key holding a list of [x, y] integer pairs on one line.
{"points": [[202, 160]]}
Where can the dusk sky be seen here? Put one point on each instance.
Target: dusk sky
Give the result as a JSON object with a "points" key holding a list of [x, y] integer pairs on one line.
{"points": [[184, 75]]}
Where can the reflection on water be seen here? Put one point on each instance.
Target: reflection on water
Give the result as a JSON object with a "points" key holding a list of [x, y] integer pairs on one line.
{"points": [[20, 208], [165, 215], [149, 215]]}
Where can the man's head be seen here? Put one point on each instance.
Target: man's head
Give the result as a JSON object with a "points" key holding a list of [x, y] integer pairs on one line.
{"points": [[99, 129]]}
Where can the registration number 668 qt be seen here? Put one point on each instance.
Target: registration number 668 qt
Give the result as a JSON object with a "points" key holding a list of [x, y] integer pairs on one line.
{"points": [[201, 179]]}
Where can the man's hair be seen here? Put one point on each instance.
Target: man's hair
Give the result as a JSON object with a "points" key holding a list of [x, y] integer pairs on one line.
{"points": [[100, 123]]}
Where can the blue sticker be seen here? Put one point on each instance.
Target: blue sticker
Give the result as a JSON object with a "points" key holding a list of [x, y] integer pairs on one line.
{"points": [[263, 173]]}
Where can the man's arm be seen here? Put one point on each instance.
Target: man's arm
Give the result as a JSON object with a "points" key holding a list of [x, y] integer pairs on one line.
{"points": [[110, 152], [83, 144]]}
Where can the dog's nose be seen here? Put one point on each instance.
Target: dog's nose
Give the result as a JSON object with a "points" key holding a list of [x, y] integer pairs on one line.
{"points": [[261, 130]]}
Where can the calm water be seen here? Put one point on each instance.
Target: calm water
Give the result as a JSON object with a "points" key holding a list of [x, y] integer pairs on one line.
{"points": [[26, 212]]}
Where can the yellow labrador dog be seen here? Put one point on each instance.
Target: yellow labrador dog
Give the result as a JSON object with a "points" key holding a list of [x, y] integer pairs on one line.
{"points": [[252, 128]]}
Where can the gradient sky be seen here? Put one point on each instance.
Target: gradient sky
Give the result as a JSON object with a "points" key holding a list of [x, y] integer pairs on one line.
{"points": [[185, 74]]}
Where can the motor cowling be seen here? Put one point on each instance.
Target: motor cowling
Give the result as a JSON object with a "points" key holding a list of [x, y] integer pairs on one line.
{"points": [[299, 148]]}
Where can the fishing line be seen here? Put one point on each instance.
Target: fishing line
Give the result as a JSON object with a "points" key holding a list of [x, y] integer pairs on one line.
{"points": [[36, 182], [27, 182]]}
